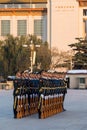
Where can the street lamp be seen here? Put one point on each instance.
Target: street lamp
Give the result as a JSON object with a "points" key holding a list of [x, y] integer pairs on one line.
{"points": [[32, 47], [33, 54]]}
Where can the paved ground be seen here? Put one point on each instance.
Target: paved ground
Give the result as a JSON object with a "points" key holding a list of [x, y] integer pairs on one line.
{"points": [[74, 118]]}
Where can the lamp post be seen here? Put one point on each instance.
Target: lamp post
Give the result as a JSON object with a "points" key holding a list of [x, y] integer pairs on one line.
{"points": [[32, 47], [33, 54]]}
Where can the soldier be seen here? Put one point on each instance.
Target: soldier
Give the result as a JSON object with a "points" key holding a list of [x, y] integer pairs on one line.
{"points": [[15, 94], [40, 106], [18, 75]]}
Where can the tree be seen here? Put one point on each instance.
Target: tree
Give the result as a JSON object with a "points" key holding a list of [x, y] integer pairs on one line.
{"points": [[80, 57], [15, 57], [43, 56], [61, 58], [12, 54]]}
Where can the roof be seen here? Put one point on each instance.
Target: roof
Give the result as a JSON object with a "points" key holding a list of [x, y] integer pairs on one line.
{"points": [[22, 1], [82, 3], [77, 72], [82, 0]]}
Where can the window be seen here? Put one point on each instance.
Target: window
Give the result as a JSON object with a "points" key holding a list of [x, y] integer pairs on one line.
{"points": [[38, 24], [2, 6], [21, 27], [40, 5], [82, 80], [84, 12], [12, 5], [5, 27]]}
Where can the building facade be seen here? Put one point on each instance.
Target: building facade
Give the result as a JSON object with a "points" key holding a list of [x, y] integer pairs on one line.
{"points": [[57, 21], [67, 21], [23, 17]]}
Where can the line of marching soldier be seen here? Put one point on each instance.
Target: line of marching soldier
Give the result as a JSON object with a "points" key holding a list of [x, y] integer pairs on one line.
{"points": [[25, 98], [42, 96], [51, 101]]}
